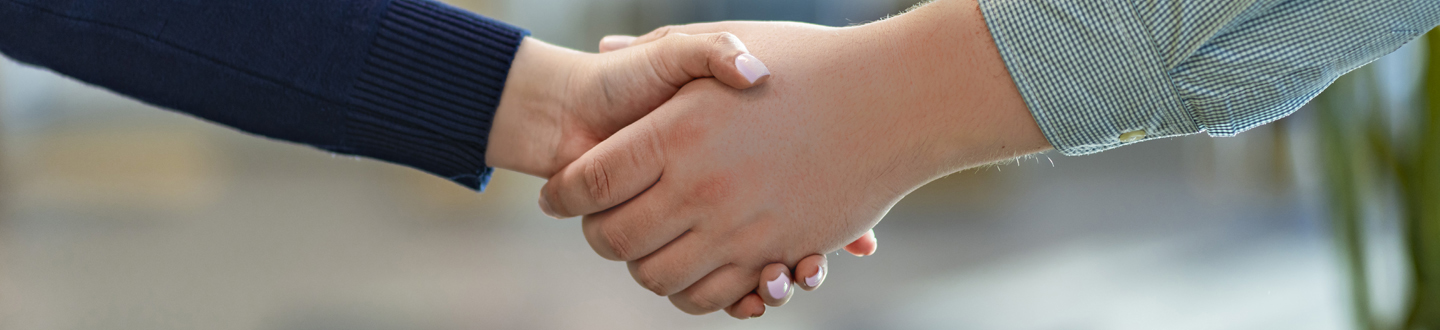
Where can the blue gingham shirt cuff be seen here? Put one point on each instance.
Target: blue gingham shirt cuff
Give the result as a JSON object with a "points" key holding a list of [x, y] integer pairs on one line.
{"points": [[1099, 74], [1088, 72]]}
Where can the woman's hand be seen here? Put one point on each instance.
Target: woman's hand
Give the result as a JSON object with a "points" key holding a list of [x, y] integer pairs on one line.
{"points": [[558, 103], [855, 118]]}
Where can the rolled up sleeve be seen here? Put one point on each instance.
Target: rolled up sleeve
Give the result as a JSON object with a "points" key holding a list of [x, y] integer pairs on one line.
{"points": [[1100, 74]]}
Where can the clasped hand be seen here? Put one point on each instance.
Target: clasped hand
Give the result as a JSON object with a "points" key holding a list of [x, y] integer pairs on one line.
{"points": [[713, 197], [559, 104]]}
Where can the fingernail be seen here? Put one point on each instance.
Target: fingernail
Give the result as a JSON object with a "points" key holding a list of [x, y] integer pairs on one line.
{"points": [[751, 67], [545, 207], [616, 42], [779, 287], [877, 243], [756, 316], [814, 280]]}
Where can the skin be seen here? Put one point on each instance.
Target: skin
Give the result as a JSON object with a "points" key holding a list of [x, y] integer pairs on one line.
{"points": [[558, 103], [699, 200]]}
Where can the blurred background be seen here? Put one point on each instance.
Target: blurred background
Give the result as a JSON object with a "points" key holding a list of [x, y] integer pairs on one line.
{"points": [[119, 215]]}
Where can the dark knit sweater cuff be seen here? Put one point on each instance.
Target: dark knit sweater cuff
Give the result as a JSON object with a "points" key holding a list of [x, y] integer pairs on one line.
{"points": [[428, 93]]}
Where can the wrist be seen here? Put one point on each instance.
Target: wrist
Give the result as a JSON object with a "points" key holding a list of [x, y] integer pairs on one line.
{"points": [[525, 134], [982, 117]]}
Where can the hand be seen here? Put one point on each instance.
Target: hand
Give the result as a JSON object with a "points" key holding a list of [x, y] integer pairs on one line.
{"points": [[854, 119], [558, 103]]}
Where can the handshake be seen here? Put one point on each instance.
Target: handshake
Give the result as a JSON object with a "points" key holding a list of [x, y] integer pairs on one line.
{"points": [[650, 177], [721, 180]]}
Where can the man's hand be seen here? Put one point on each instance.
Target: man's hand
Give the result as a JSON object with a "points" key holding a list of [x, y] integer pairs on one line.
{"points": [[718, 183]]}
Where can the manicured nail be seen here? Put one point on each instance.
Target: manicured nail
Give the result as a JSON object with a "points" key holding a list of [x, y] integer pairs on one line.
{"points": [[751, 67], [779, 287], [545, 207], [877, 243], [814, 280], [610, 43]]}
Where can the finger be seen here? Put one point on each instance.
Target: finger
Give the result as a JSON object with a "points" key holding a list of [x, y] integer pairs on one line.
{"points": [[614, 171], [723, 287], [748, 307], [864, 246], [776, 285], [811, 271], [614, 43], [656, 34], [678, 265], [664, 31], [680, 58], [636, 228]]}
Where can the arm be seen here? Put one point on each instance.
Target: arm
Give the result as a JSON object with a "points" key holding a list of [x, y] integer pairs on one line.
{"points": [[413, 82], [858, 117], [406, 81], [1102, 74], [854, 119]]}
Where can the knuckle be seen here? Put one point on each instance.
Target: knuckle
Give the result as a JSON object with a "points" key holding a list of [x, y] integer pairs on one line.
{"points": [[650, 281], [673, 37], [616, 243], [597, 179], [654, 147], [684, 305], [663, 31], [659, 62], [724, 40], [704, 304]]}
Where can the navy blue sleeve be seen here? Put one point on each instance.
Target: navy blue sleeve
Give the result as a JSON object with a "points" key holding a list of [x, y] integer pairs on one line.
{"points": [[413, 82]]}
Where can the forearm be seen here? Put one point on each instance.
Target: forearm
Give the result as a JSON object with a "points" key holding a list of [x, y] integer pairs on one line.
{"points": [[946, 89], [987, 117], [405, 81]]}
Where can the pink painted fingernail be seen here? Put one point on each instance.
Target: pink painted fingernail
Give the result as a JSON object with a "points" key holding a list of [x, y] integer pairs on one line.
{"points": [[612, 43], [779, 287], [877, 243], [751, 67], [814, 280]]}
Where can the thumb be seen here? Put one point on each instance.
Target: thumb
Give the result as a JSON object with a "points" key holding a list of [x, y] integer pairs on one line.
{"points": [[678, 58], [613, 172], [864, 246]]}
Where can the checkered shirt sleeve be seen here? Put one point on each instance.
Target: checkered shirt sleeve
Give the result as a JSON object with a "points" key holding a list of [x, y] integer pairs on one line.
{"points": [[1100, 74]]}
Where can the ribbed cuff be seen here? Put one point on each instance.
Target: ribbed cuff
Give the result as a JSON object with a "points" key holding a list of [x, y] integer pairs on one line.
{"points": [[1088, 72], [428, 93]]}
